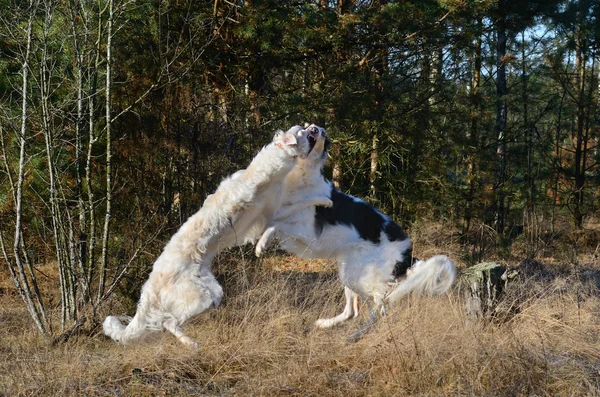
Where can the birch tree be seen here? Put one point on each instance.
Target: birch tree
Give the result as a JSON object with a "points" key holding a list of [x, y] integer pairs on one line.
{"points": [[107, 214], [21, 268]]}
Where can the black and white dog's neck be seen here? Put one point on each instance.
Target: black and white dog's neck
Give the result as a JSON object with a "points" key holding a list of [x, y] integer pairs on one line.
{"points": [[369, 223], [352, 211]]}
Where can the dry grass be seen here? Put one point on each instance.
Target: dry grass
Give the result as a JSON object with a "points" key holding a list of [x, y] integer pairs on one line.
{"points": [[262, 342]]}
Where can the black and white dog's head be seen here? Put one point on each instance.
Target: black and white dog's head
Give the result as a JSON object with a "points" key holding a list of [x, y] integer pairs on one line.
{"points": [[319, 143]]}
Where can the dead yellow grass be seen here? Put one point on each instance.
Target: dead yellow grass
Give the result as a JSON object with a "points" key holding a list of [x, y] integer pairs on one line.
{"points": [[262, 342]]}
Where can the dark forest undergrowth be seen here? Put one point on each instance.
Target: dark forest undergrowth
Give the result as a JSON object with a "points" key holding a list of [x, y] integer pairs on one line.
{"points": [[262, 341]]}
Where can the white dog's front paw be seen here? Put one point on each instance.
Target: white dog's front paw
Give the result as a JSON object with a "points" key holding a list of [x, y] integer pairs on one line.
{"points": [[323, 323], [326, 202], [189, 342], [260, 248]]}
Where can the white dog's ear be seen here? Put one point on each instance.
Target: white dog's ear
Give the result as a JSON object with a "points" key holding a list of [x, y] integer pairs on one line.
{"points": [[285, 138], [290, 140], [306, 125]]}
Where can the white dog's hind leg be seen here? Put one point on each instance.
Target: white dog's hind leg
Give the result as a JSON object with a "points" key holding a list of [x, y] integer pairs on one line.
{"points": [[172, 326], [350, 311], [189, 296]]}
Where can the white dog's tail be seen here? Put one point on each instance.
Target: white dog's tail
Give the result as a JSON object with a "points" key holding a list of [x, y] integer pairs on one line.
{"points": [[136, 328], [432, 277]]}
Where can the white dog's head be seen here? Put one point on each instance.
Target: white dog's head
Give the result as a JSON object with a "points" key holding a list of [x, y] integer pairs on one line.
{"points": [[294, 141]]}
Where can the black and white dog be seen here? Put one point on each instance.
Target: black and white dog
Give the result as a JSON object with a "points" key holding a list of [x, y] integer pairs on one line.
{"points": [[373, 253]]}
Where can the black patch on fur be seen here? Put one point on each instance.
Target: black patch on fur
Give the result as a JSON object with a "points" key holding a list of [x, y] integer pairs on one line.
{"points": [[394, 232], [401, 267], [368, 222]]}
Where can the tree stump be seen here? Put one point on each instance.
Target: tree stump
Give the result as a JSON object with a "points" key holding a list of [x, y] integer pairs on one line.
{"points": [[481, 286]]}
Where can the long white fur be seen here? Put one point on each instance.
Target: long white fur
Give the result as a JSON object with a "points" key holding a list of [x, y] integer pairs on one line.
{"points": [[365, 268], [181, 283]]}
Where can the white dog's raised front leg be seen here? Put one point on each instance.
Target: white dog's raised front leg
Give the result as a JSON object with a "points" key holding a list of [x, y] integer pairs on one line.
{"points": [[289, 210], [172, 326], [285, 212], [350, 311], [265, 240]]}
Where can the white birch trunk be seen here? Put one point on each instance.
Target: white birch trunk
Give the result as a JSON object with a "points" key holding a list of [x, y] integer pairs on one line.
{"points": [[107, 215], [33, 304]]}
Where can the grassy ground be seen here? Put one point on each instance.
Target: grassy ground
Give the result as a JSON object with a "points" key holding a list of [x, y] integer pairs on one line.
{"points": [[262, 342]]}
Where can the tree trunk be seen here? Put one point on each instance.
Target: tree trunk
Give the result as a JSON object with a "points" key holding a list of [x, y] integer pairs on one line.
{"points": [[68, 312], [557, 160], [380, 68], [337, 173], [481, 287], [527, 130], [80, 243], [374, 166], [501, 115], [346, 6], [33, 300], [580, 60], [474, 129], [529, 215], [93, 78], [107, 216], [16, 272]]}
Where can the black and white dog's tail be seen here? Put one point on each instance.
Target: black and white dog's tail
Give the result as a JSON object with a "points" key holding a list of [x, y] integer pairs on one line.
{"points": [[434, 276]]}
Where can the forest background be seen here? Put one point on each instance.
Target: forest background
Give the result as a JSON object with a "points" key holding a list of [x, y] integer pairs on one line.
{"points": [[117, 119]]}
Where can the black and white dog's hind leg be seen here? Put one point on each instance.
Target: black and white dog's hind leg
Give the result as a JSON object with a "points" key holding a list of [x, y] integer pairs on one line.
{"points": [[350, 311], [365, 327]]}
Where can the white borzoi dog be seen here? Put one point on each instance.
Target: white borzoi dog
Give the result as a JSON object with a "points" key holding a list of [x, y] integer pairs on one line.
{"points": [[181, 283], [373, 253]]}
